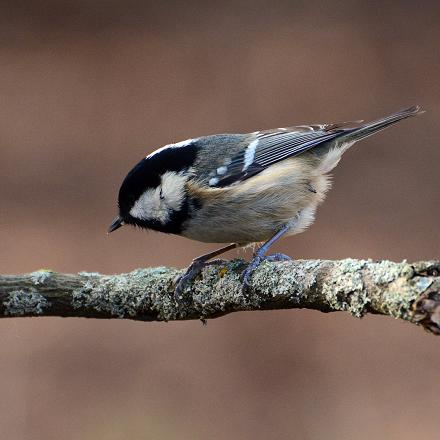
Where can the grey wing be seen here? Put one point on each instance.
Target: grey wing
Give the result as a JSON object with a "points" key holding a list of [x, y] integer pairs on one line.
{"points": [[260, 150], [269, 147]]}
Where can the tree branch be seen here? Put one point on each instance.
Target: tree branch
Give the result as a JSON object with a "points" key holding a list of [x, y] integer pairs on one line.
{"points": [[406, 291]]}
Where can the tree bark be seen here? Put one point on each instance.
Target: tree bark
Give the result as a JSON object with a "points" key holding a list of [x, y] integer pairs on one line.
{"points": [[410, 292]]}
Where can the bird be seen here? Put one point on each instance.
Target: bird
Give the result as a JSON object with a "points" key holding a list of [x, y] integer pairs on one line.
{"points": [[239, 189]]}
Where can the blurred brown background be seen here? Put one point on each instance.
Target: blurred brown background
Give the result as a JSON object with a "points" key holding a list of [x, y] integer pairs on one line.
{"points": [[87, 88]]}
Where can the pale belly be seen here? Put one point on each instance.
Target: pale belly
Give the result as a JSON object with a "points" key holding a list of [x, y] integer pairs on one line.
{"points": [[247, 227]]}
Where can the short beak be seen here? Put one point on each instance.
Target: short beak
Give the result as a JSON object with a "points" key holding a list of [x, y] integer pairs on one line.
{"points": [[116, 224]]}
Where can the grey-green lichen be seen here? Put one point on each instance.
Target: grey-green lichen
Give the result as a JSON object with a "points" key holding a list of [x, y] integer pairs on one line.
{"points": [[220, 290], [395, 285], [41, 276], [344, 289], [396, 289], [25, 302], [89, 274], [348, 285], [385, 271], [273, 280], [147, 290]]}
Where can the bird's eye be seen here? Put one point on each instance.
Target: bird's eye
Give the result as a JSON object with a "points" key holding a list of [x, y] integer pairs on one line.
{"points": [[162, 197]]}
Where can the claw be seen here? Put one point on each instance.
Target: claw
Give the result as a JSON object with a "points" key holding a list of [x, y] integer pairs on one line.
{"points": [[183, 281], [247, 274]]}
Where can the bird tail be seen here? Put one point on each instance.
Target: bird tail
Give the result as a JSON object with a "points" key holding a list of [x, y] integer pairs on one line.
{"points": [[352, 134], [372, 127]]}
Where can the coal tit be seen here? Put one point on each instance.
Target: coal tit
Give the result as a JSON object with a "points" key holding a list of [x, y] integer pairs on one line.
{"points": [[239, 188]]}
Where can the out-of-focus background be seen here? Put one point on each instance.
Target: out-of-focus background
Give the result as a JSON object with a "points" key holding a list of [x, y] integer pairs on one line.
{"points": [[87, 88]]}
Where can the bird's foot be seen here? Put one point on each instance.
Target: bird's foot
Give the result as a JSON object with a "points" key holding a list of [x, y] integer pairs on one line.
{"points": [[194, 269], [255, 262]]}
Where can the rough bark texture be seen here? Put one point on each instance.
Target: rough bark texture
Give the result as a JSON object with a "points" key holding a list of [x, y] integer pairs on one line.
{"points": [[402, 290]]}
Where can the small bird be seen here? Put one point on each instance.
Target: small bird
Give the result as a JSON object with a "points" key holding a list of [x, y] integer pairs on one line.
{"points": [[239, 188]]}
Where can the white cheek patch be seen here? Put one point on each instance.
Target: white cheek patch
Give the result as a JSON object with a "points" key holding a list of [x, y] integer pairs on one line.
{"points": [[158, 203], [147, 206], [173, 189]]}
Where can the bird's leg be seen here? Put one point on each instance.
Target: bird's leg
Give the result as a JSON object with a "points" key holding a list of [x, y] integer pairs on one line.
{"points": [[196, 267], [260, 256]]}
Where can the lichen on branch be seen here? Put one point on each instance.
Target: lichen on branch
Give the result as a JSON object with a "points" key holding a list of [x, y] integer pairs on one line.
{"points": [[410, 292]]}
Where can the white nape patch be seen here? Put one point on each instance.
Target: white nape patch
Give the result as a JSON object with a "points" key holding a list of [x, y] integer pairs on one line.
{"points": [[176, 145], [213, 181], [222, 170], [158, 203], [249, 154]]}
